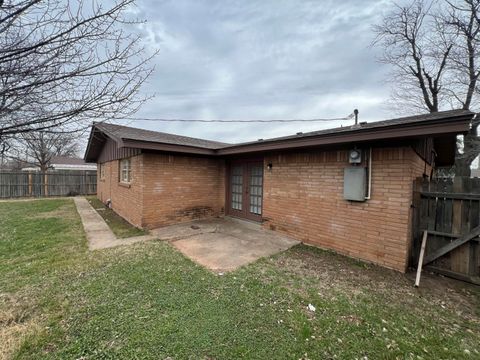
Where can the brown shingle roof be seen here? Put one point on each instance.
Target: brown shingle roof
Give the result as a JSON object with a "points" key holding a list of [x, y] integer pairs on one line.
{"points": [[126, 132], [67, 160], [369, 126], [446, 122]]}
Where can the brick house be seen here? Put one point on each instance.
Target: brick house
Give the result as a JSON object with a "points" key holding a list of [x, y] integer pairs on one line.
{"points": [[348, 189]]}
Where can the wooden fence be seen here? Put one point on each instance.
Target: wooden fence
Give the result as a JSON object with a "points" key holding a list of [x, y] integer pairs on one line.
{"points": [[450, 212], [18, 184]]}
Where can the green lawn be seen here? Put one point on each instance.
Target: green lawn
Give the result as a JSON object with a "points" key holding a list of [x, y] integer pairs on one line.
{"points": [[147, 301], [120, 227]]}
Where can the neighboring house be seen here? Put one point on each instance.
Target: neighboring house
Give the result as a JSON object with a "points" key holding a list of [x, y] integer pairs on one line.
{"points": [[348, 189], [66, 163], [70, 163], [475, 173], [30, 168]]}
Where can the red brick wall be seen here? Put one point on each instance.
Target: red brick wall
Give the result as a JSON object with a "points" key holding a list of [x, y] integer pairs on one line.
{"points": [[181, 188], [165, 189], [126, 199], [303, 197]]}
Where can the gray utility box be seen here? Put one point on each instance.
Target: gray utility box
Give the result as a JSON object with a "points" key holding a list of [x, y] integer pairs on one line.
{"points": [[354, 183]]}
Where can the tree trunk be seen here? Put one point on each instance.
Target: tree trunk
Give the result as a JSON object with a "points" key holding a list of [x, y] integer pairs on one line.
{"points": [[43, 167], [462, 167], [470, 152]]}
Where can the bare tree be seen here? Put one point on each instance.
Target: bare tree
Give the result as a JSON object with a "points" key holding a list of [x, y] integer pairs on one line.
{"points": [[40, 147], [433, 48], [463, 19], [64, 63]]}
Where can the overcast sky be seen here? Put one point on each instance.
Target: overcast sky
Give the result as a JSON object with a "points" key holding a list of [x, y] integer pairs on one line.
{"points": [[265, 59]]}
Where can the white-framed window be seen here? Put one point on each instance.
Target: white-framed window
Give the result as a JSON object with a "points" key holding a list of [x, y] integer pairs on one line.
{"points": [[125, 171], [102, 171]]}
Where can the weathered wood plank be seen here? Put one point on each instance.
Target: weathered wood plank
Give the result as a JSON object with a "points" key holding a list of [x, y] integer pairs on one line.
{"points": [[15, 184], [453, 245], [420, 259], [432, 213], [440, 215], [460, 259], [453, 274], [444, 234], [450, 195], [459, 256], [448, 213], [457, 217]]}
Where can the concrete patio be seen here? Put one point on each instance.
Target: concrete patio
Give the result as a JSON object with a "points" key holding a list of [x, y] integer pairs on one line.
{"points": [[223, 245], [219, 244]]}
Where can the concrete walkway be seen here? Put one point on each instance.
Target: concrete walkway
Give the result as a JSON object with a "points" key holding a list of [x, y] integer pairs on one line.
{"points": [[98, 233]]}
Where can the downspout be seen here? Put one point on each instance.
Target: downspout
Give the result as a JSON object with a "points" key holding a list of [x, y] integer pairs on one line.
{"points": [[369, 186]]}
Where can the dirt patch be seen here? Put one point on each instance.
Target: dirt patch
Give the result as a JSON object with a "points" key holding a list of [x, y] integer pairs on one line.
{"points": [[64, 212], [337, 273], [352, 319], [16, 322]]}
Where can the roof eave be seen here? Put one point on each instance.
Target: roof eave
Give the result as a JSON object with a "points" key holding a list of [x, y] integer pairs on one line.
{"points": [[447, 126], [97, 128], [118, 140], [185, 149], [460, 125], [86, 156]]}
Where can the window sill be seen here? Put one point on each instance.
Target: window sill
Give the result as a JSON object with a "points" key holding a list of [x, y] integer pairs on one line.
{"points": [[125, 185]]}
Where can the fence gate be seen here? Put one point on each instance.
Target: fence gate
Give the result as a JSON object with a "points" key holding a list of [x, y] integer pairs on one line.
{"points": [[450, 211]]}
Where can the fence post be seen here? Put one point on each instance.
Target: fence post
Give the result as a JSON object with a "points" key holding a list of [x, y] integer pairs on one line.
{"points": [[30, 184], [415, 219], [457, 207], [45, 183]]}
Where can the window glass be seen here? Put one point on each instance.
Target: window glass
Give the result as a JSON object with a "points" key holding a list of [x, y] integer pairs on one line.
{"points": [[125, 171], [237, 187], [256, 189]]}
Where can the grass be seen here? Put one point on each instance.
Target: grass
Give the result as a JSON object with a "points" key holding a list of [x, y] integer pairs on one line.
{"points": [[120, 227], [147, 301]]}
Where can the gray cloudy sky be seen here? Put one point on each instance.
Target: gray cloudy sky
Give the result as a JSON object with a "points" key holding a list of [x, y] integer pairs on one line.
{"points": [[261, 60]]}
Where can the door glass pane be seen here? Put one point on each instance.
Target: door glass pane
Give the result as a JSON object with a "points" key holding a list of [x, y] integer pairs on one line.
{"points": [[237, 187], [256, 189]]}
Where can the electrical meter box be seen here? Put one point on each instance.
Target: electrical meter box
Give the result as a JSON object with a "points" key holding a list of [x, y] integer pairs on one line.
{"points": [[354, 183]]}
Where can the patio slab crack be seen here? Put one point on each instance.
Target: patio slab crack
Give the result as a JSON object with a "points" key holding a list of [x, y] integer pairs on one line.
{"points": [[99, 234]]}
